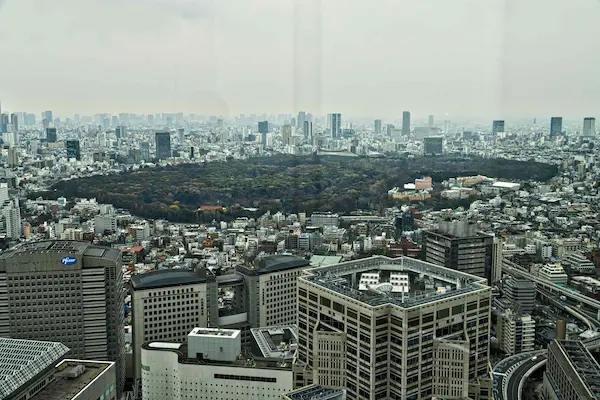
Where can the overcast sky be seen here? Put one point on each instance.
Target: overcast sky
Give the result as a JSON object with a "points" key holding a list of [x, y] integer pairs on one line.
{"points": [[496, 58]]}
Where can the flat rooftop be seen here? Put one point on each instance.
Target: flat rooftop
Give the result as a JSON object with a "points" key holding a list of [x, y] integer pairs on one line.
{"points": [[343, 279], [315, 392], [64, 388], [66, 247], [275, 263], [277, 341], [232, 333], [166, 277]]}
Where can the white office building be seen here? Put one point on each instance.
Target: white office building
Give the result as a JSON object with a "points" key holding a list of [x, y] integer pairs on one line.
{"points": [[211, 366], [553, 273]]}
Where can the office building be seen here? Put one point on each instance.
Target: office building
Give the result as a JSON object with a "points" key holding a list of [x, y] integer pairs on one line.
{"points": [[572, 372], [270, 289], [433, 146], [4, 121], [378, 127], [555, 126], [497, 127], [553, 272], [105, 223], [406, 123], [51, 135], [301, 120], [578, 264], [324, 219], [13, 157], [263, 127], [286, 134], [14, 120], [430, 122], [520, 294], [120, 132], [334, 125], [73, 150], [589, 126], [166, 306], [380, 344], [47, 115], [10, 219], [211, 364], [145, 151], [458, 246], [68, 292], [308, 131], [515, 332], [163, 145]]}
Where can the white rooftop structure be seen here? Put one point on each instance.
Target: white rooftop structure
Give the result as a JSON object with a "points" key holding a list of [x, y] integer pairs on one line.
{"points": [[21, 360]]}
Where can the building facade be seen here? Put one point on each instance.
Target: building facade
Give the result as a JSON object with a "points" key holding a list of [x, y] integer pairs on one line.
{"points": [[383, 345], [163, 145], [68, 292], [555, 126], [167, 305]]}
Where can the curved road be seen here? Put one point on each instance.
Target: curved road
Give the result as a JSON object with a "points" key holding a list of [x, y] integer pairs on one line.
{"points": [[518, 375]]}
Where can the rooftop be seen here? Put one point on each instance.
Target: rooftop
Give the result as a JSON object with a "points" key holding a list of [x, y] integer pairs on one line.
{"points": [[21, 360], [63, 247], [65, 387], [276, 341], [215, 332], [343, 279], [315, 392], [164, 278], [275, 263]]}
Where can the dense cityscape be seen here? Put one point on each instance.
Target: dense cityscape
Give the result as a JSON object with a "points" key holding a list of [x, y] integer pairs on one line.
{"points": [[171, 256]]}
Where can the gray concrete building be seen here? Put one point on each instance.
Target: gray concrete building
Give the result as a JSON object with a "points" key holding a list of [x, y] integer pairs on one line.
{"points": [[572, 373], [520, 293], [429, 341], [458, 246], [65, 291]]}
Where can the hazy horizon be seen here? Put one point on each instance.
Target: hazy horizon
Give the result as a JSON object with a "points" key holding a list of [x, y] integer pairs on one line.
{"points": [[494, 59]]}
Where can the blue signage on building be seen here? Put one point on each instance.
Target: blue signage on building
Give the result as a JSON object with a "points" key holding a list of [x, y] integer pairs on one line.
{"points": [[68, 260]]}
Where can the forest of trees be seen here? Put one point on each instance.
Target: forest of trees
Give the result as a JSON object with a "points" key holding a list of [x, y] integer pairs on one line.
{"points": [[282, 182]]}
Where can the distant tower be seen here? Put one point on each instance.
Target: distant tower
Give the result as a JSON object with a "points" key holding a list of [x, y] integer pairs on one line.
{"points": [[555, 126], [4, 121], [497, 127], [308, 131], [430, 122], [589, 126], [286, 134], [163, 145], [51, 135], [263, 127], [377, 126], [14, 120], [300, 120], [73, 149], [334, 124], [406, 123], [48, 116]]}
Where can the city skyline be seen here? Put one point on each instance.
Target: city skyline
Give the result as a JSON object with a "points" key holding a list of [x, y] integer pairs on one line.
{"points": [[507, 59]]}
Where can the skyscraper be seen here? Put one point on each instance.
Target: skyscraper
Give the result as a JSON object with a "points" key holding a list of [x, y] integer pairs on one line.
{"points": [[301, 119], [145, 151], [497, 127], [263, 127], [589, 126], [367, 326], [14, 120], [286, 134], [378, 127], [120, 132], [308, 131], [48, 116], [334, 124], [68, 292], [433, 145], [406, 123], [555, 126], [73, 149], [4, 121], [430, 124], [51, 135], [163, 145]]}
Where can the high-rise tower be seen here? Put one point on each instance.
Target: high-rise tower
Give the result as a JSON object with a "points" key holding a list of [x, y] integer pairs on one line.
{"points": [[406, 123]]}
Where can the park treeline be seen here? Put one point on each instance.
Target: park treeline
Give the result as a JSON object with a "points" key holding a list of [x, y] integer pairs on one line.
{"points": [[282, 182]]}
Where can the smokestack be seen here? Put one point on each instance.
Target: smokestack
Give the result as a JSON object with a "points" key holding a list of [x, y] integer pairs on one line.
{"points": [[561, 329]]}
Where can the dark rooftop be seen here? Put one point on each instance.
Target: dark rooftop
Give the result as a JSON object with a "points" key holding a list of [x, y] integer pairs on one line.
{"points": [[166, 277], [276, 263]]}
